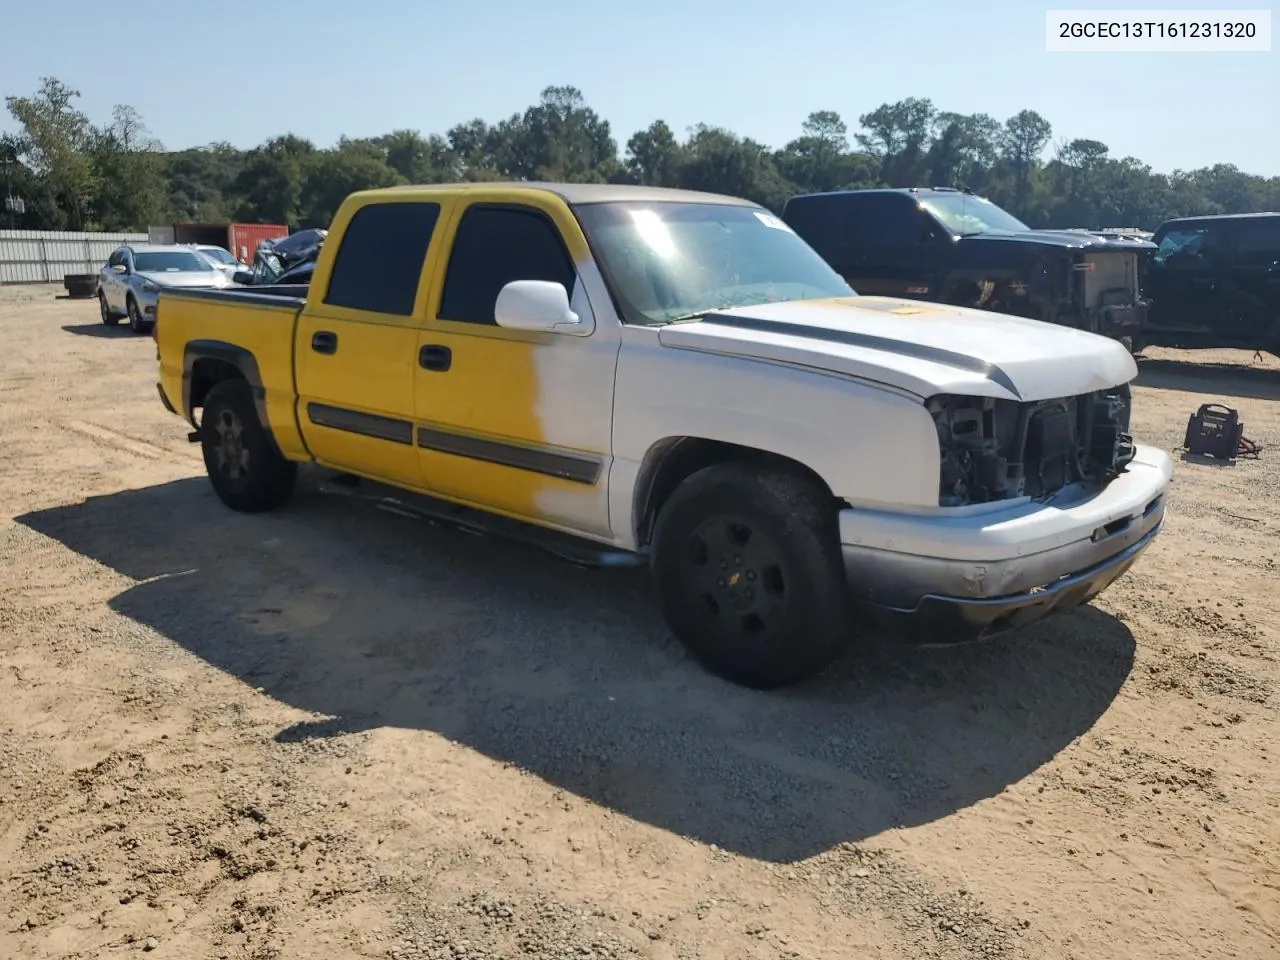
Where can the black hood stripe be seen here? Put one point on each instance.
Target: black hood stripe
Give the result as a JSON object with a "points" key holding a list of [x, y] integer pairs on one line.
{"points": [[919, 351]]}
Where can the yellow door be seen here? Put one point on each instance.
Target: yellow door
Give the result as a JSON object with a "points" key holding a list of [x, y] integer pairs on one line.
{"points": [[356, 345], [515, 421]]}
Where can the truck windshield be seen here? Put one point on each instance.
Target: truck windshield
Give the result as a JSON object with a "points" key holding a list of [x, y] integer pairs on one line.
{"points": [[670, 261], [179, 261], [967, 216]]}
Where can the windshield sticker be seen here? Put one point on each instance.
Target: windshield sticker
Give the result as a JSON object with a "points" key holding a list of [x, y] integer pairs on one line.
{"points": [[769, 220]]}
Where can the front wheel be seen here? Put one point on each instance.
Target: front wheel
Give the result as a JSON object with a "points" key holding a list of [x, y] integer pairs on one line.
{"points": [[748, 565], [246, 471], [136, 323], [108, 317]]}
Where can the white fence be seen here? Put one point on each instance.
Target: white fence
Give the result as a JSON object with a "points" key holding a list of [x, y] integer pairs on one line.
{"points": [[46, 256]]}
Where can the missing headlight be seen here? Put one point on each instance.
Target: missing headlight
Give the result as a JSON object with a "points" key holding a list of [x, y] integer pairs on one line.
{"points": [[1000, 449]]}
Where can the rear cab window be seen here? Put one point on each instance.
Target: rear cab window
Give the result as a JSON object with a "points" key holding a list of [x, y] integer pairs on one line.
{"points": [[889, 221], [494, 245], [380, 259], [840, 225], [828, 223]]}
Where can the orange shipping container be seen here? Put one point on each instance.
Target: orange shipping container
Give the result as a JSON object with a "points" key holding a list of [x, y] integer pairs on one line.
{"points": [[245, 238]]}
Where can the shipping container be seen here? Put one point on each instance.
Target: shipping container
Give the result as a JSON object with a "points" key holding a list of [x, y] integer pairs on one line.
{"points": [[241, 239], [245, 238]]}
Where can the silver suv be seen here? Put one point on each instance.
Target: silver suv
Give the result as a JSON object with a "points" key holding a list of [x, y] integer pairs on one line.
{"points": [[130, 283]]}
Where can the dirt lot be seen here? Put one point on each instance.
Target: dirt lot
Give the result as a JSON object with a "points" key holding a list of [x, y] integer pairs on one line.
{"points": [[330, 732]]}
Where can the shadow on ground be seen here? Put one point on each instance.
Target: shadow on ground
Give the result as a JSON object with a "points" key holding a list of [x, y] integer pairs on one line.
{"points": [[335, 607], [100, 329], [1221, 379]]}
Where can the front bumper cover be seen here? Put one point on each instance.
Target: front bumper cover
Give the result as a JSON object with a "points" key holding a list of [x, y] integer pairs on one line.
{"points": [[946, 579], [949, 620]]}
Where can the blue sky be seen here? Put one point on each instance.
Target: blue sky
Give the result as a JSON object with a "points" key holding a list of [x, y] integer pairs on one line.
{"points": [[755, 67]]}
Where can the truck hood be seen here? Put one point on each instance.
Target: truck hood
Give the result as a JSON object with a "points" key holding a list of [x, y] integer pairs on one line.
{"points": [[922, 348], [1070, 239], [185, 278]]}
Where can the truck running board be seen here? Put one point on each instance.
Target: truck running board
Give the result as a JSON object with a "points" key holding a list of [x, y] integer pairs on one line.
{"points": [[416, 506]]}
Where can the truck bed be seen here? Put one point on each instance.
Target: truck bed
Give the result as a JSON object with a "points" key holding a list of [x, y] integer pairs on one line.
{"points": [[275, 294], [199, 333]]}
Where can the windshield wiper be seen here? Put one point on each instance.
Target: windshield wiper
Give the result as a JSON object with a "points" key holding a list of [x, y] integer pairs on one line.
{"points": [[690, 317]]}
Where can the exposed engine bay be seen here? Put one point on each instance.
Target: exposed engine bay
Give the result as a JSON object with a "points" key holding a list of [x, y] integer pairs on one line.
{"points": [[1000, 449]]}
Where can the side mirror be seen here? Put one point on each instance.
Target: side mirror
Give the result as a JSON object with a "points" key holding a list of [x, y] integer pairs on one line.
{"points": [[242, 276], [537, 305], [120, 269]]}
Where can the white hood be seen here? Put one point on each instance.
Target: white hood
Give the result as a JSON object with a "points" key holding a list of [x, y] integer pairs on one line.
{"points": [[924, 348], [186, 278]]}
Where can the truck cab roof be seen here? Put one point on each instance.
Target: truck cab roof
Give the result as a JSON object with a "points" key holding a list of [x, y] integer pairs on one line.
{"points": [[575, 194]]}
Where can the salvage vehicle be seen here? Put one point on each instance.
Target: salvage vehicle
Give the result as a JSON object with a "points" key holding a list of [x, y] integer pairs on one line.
{"points": [[133, 276], [635, 375], [1215, 282], [291, 260], [950, 246]]}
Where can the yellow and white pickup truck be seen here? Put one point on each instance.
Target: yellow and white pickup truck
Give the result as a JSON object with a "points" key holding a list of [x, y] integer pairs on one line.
{"points": [[637, 375]]}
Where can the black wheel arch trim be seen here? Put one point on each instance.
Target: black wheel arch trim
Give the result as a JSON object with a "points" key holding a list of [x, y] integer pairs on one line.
{"points": [[236, 356]]}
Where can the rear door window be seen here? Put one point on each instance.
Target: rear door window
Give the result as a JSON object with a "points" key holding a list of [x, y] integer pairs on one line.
{"points": [[380, 260], [1258, 242], [495, 245]]}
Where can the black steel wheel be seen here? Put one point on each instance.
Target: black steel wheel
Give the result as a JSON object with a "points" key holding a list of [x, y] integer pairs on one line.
{"points": [[749, 568], [736, 570], [246, 471]]}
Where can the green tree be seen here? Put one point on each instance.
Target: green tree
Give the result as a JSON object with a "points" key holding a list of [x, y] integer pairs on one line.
{"points": [[419, 159], [269, 186], [75, 175], [328, 176], [654, 156], [897, 134], [128, 166], [819, 159], [54, 143], [1026, 134]]}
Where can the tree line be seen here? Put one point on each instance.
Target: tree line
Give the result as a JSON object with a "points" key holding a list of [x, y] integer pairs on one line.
{"points": [[76, 175]]}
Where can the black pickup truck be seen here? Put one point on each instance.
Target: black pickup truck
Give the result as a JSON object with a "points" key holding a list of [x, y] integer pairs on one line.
{"points": [[950, 246], [1215, 282]]}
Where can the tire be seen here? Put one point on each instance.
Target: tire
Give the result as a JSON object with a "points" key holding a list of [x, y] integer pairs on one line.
{"points": [[109, 318], [136, 323], [749, 570], [246, 471]]}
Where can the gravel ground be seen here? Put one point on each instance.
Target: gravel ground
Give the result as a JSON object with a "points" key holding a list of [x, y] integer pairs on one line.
{"points": [[331, 732]]}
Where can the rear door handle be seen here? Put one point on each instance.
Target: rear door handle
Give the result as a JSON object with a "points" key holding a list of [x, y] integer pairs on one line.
{"points": [[324, 342], [435, 357]]}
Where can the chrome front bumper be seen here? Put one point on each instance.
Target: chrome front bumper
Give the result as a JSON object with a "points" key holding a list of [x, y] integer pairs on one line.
{"points": [[947, 579]]}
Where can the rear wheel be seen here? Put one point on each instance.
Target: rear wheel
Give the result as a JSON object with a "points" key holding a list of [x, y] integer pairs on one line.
{"points": [[108, 317], [246, 471], [748, 564]]}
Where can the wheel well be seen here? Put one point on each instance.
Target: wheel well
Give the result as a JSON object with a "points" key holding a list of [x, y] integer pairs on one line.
{"points": [[675, 459], [208, 372]]}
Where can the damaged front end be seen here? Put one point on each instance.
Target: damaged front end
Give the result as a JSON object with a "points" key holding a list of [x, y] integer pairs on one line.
{"points": [[994, 449], [1107, 290]]}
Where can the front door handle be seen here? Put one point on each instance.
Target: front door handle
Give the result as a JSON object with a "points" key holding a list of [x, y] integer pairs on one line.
{"points": [[435, 357], [324, 342]]}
